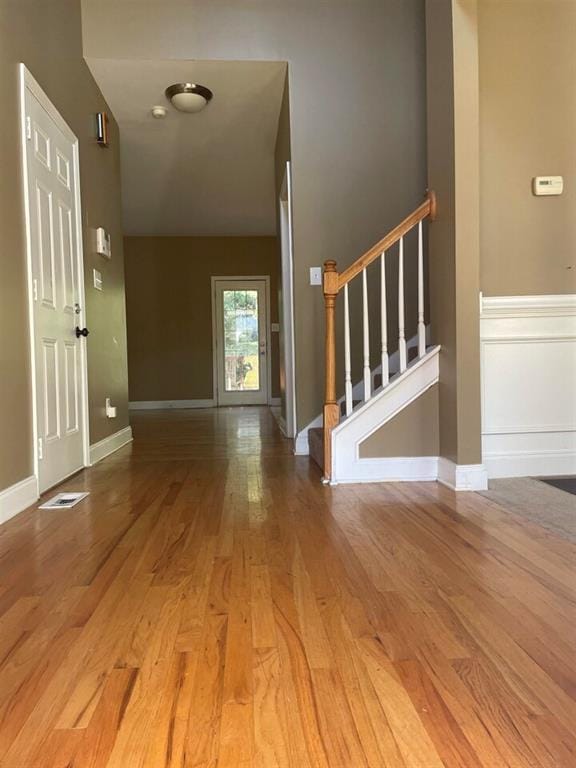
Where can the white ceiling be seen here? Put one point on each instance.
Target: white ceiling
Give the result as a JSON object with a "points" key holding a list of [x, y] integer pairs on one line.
{"points": [[210, 173]]}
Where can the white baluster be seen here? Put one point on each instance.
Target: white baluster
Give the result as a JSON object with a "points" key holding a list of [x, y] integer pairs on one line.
{"points": [[347, 364], [421, 326], [401, 332], [366, 335], [384, 321]]}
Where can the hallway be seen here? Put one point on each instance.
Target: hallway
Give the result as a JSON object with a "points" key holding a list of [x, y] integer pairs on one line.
{"points": [[212, 604]]}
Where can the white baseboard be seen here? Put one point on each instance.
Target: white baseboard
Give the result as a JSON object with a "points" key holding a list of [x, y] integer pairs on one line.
{"points": [[17, 497], [462, 477], [392, 470], [416, 469], [110, 444], [159, 405], [524, 464]]}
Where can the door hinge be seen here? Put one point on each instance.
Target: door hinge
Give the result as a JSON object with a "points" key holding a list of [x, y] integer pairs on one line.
{"points": [[40, 448], [28, 128], [35, 289]]}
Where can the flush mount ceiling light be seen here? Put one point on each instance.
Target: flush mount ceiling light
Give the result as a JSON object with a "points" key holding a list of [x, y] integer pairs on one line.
{"points": [[188, 97]]}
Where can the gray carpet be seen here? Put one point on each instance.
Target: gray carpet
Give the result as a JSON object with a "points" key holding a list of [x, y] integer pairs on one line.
{"points": [[539, 502]]}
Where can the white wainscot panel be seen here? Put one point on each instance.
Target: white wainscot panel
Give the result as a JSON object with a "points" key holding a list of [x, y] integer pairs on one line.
{"points": [[529, 385]]}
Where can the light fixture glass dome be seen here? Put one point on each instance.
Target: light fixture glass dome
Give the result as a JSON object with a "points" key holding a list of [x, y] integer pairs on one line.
{"points": [[189, 97]]}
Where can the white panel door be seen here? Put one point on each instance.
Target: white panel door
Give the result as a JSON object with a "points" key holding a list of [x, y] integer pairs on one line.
{"points": [[56, 295], [241, 326]]}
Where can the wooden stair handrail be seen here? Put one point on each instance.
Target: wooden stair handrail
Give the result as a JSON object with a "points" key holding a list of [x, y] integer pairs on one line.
{"points": [[333, 283], [428, 208]]}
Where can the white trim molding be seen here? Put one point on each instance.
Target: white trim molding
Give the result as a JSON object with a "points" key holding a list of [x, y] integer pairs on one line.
{"points": [[389, 470], [110, 444], [528, 306], [17, 497], [287, 319], [462, 477], [528, 356], [160, 405]]}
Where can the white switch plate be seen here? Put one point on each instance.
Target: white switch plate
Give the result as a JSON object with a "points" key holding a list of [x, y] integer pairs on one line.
{"points": [[275, 327], [315, 275], [97, 279]]}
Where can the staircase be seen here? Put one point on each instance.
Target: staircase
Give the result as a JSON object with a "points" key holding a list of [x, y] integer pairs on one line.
{"points": [[381, 394]]}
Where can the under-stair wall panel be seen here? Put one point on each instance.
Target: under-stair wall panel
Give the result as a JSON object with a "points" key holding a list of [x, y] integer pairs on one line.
{"points": [[349, 465], [413, 432]]}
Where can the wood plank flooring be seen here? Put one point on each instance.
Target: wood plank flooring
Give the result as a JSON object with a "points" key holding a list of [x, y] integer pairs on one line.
{"points": [[212, 604]]}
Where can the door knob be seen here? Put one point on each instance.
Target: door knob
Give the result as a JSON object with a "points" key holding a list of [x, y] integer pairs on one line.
{"points": [[81, 332]]}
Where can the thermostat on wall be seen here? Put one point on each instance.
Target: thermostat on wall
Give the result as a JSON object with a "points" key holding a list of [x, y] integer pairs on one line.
{"points": [[103, 244], [547, 185]]}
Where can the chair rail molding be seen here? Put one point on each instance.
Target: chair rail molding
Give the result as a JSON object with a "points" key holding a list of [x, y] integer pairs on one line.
{"points": [[528, 359]]}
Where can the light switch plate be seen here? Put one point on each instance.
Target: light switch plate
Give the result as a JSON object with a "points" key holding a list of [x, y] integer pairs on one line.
{"points": [[275, 327], [97, 279], [315, 275]]}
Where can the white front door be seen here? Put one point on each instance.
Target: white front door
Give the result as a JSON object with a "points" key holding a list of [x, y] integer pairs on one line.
{"points": [[241, 348], [56, 294]]}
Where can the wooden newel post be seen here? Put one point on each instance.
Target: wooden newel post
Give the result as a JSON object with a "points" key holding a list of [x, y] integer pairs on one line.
{"points": [[331, 414]]}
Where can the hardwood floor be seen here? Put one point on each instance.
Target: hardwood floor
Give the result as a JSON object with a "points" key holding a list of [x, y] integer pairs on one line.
{"points": [[212, 604]]}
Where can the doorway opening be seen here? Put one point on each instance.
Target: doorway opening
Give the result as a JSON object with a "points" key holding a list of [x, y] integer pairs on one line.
{"points": [[207, 202]]}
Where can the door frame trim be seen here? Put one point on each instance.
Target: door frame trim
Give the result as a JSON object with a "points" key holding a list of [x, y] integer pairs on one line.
{"points": [[287, 273], [213, 280], [29, 83]]}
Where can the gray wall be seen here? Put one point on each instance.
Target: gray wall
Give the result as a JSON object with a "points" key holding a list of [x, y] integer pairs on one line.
{"points": [[47, 37], [357, 103]]}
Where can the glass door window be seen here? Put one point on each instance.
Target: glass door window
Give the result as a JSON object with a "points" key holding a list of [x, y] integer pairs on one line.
{"points": [[241, 340], [241, 327]]}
